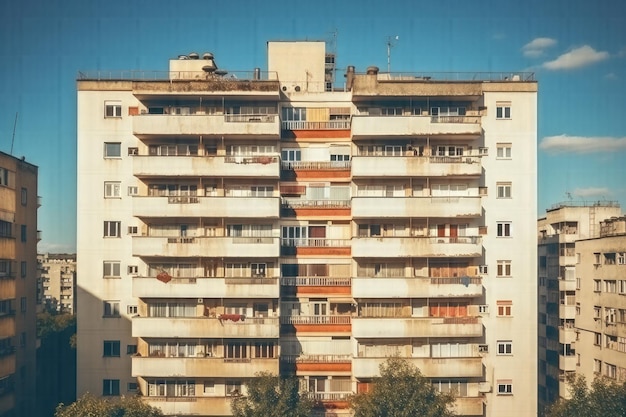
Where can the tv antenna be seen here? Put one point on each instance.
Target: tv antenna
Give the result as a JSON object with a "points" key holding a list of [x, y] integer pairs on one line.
{"points": [[391, 42], [13, 137]]}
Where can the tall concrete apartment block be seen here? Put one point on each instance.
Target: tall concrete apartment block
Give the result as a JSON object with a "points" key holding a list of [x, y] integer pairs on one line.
{"points": [[58, 278], [231, 223], [559, 288], [18, 285]]}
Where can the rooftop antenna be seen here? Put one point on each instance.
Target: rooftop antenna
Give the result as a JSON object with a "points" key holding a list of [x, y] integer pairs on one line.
{"points": [[13, 137], [391, 42]]}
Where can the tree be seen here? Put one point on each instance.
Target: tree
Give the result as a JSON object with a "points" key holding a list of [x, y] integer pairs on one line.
{"points": [[605, 398], [402, 391], [90, 406], [269, 395]]}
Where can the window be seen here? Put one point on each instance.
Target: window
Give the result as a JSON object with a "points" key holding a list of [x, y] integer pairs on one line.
{"points": [[609, 258], [112, 229], [24, 196], [132, 230], [23, 339], [503, 150], [131, 310], [610, 286], [110, 387], [233, 388], [597, 285], [111, 308], [597, 315], [111, 348], [23, 233], [483, 309], [131, 349], [132, 190], [111, 269], [133, 151], [112, 189], [4, 177], [505, 387], [482, 269], [610, 370], [23, 269], [505, 308], [23, 304], [621, 284], [504, 189], [621, 258], [133, 269], [503, 110], [132, 387], [6, 229], [610, 315], [112, 150], [503, 229], [597, 366], [112, 109], [209, 387], [504, 268], [505, 347]]}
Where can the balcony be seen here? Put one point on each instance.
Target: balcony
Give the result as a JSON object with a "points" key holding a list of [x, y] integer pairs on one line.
{"points": [[218, 166], [326, 125], [567, 334], [402, 247], [250, 126], [317, 324], [404, 207], [315, 246], [150, 287], [206, 246], [319, 363], [567, 363], [567, 311], [172, 406], [302, 207], [291, 170], [201, 367], [193, 206], [389, 327], [415, 166], [417, 287], [7, 363], [191, 327], [430, 367], [364, 127], [567, 285], [468, 406], [316, 286]]}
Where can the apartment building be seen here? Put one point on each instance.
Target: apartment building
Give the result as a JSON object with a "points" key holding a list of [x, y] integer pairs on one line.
{"points": [[231, 223], [559, 281], [18, 285], [57, 273]]}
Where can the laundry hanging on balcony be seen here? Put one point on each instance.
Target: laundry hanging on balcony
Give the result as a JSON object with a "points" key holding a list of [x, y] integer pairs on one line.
{"points": [[164, 277]]}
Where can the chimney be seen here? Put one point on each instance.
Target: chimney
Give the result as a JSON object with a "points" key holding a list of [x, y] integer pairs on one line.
{"points": [[349, 77]]}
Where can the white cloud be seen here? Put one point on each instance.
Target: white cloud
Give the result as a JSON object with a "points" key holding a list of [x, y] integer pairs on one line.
{"points": [[582, 144], [576, 58], [44, 247], [592, 192], [537, 47]]}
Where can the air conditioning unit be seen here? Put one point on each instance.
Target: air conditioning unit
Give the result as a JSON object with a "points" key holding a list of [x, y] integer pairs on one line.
{"points": [[200, 300]]}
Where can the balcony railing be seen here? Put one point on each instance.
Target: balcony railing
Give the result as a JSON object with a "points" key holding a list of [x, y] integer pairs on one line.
{"points": [[182, 199], [455, 119], [330, 396], [315, 319], [298, 203], [315, 165], [315, 281], [456, 281], [454, 159], [315, 242], [250, 159], [245, 118], [316, 358], [458, 239], [327, 125]]}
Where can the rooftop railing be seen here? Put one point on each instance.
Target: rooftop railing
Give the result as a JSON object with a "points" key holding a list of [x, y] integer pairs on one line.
{"points": [[152, 75], [457, 76]]}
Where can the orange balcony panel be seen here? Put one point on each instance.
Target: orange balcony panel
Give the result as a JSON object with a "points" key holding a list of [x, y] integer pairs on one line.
{"points": [[323, 290], [321, 173], [323, 212], [323, 328], [323, 367], [335, 405], [322, 251], [316, 134]]}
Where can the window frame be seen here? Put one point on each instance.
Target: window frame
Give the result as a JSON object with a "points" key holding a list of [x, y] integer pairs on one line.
{"points": [[112, 229], [24, 196], [506, 148], [503, 229], [503, 111], [504, 387], [112, 189], [115, 107], [504, 190], [110, 266], [111, 309], [504, 348], [111, 349], [503, 268], [110, 148], [110, 387]]}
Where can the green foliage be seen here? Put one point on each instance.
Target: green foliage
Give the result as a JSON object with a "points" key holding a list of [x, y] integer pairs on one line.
{"points": [[272, 396], [48, 323], [605, 398], [402, 391], [91, 406]]}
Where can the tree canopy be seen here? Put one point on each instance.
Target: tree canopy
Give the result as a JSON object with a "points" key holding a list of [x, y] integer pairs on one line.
{"points": [[91, 406], [402, 391], [605, 398], [269, 395]]}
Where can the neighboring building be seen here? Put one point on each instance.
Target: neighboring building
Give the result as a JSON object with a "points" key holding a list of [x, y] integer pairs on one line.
{"points": [[564, 224], [236, 223], [18, 285], [58, 280], [601, 302]]}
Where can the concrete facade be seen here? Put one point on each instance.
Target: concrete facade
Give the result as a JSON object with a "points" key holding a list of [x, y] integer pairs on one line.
{"points": [[559, 282], [58, 280], [18, 285], [260, 221]]}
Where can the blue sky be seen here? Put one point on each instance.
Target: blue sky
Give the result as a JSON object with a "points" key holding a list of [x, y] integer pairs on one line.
{"points": [[576, 48]]}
